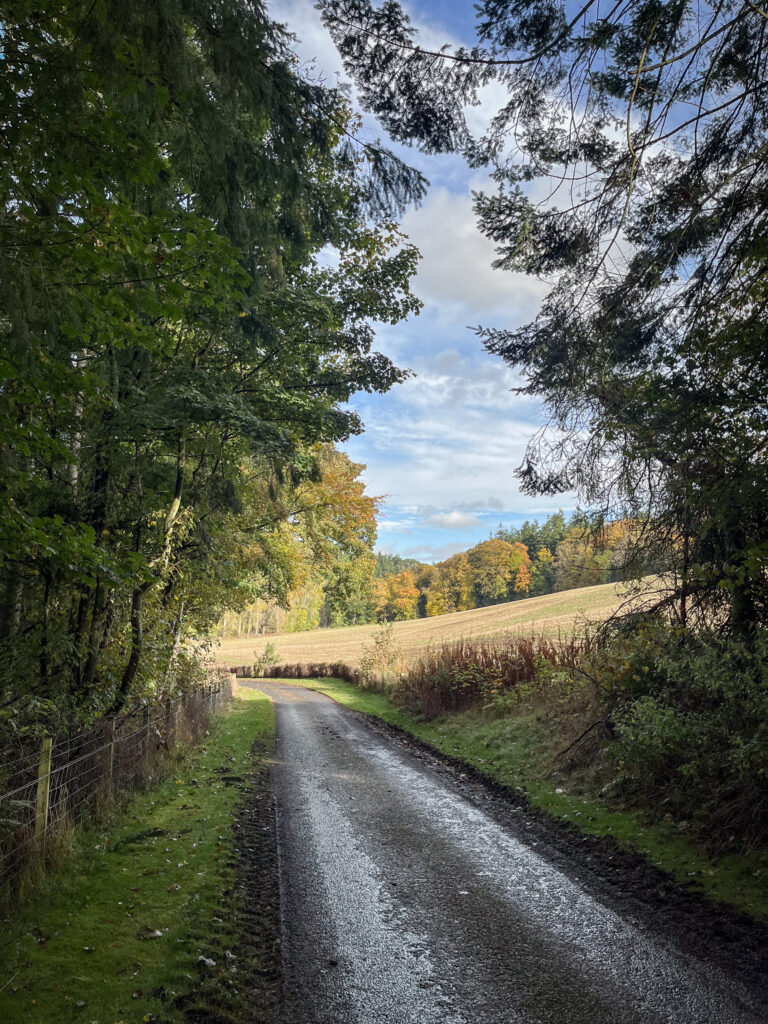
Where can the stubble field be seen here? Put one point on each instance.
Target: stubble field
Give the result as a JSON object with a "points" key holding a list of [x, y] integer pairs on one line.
{"points": [[551, 615]]}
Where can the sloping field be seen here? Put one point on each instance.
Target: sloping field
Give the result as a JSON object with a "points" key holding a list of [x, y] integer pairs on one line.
{"points": [[550, 615]]}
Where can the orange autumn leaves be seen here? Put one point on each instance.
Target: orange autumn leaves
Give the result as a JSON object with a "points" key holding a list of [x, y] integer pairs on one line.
{"points": [[492, 571]]}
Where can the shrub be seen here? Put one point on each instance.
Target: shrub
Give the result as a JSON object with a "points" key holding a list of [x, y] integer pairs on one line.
{"points": [[266, 660], [697, 736], [382, 663]]}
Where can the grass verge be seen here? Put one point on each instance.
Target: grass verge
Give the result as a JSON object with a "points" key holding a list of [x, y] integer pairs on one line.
{"points": [[516, 750], [117, 934]]}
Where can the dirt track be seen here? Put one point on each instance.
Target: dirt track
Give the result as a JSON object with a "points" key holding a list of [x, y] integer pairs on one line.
{"points": [[407, 897]]}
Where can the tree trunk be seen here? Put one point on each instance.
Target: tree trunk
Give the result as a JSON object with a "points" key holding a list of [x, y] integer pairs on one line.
{"points": [[96, 635], [137, 642], [176, 643], [684, 583]]}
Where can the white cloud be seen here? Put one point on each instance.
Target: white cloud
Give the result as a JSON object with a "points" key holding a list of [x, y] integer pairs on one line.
{"points": [[433, 552], [452, 521], [456, 269], [449, 436], [453, 434], [313, 44], [389, 525]]}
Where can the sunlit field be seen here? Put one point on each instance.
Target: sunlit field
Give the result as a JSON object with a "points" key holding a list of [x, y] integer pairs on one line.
{"points": [[551, 615]]}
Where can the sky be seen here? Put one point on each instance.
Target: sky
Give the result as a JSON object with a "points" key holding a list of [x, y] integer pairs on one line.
{"points": [[441, 448]]}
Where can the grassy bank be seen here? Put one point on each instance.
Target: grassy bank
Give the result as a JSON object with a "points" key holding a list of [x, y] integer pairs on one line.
{"points": [[518, 748], [117, 935]]}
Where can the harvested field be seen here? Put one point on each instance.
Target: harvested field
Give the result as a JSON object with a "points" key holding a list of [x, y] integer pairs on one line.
{"points": [[551, 615]]}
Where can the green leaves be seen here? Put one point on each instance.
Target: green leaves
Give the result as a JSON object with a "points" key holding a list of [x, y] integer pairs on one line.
{"points": [[643, 127], [167, 335]]}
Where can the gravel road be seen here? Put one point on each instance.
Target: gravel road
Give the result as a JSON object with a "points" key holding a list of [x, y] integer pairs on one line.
{"points": [[403, 901]]}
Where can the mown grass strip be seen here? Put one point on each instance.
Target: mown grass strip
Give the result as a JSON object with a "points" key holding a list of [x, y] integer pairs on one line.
{"points": [[117, 934], [511, 750]]}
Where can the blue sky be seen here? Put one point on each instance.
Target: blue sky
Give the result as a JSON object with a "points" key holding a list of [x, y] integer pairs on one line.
{"points": [[442, 447]]}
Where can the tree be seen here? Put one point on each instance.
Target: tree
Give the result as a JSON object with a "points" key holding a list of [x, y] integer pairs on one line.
{"points": [[435, 602], [576, 562], [535, 535], [395, 597], [523, 580], [327, 529], [648, 123], [174, 349], [495, 565], [404, 596], [451, 588], [543, 573], [388, 565], [337, 527]]}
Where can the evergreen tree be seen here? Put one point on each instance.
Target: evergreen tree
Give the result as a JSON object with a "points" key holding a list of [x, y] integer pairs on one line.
{"points": [[649, 124]]}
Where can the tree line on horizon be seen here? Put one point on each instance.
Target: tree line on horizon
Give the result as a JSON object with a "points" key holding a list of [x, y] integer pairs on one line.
{"points": [[514, 563]]}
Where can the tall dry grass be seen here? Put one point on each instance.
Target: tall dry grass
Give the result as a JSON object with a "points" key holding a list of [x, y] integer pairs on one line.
{"points": [[302, 670], [454, 675], [465, 673]]}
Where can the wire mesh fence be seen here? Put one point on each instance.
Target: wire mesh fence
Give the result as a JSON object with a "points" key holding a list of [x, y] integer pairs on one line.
{"points": [[49, 785]]}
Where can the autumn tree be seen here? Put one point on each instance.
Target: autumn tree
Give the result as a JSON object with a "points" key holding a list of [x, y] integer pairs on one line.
{"points": [[396, 597], [495, 565], [522, 580], [327, 531]]}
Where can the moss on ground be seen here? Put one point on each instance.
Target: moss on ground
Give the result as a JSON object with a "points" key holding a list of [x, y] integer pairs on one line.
{"points": [[517, 749], [117, 934]]}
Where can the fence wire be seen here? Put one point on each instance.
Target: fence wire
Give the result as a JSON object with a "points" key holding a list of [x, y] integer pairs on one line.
{"points": [[49, 787]]}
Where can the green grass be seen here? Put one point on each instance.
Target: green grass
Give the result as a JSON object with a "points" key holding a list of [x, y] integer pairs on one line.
{"points": [[87, 948], [517, 750]]}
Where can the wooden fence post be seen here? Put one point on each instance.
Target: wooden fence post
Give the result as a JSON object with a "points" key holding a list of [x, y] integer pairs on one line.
{"points": [[43, 788]]}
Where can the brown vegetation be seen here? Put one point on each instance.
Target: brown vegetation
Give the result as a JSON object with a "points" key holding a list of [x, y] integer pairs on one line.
{"points": [[467, 673]]}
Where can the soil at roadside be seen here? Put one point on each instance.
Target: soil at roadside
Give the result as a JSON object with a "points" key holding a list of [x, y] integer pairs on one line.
{"points": [[255, 902]]}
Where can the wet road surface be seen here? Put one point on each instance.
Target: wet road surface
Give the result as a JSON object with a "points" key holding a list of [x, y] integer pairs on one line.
{"points": [[403, 902]]}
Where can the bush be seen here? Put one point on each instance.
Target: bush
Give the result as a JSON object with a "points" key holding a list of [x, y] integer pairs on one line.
{"points": [[697, 737], [266, 660], [382, 663]]}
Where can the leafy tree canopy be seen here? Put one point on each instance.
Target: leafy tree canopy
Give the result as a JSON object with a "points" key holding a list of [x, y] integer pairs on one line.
{"points": [[175, 353]]}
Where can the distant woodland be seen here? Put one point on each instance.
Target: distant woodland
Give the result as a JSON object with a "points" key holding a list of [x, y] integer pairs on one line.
{"points": [[516, 562]]}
